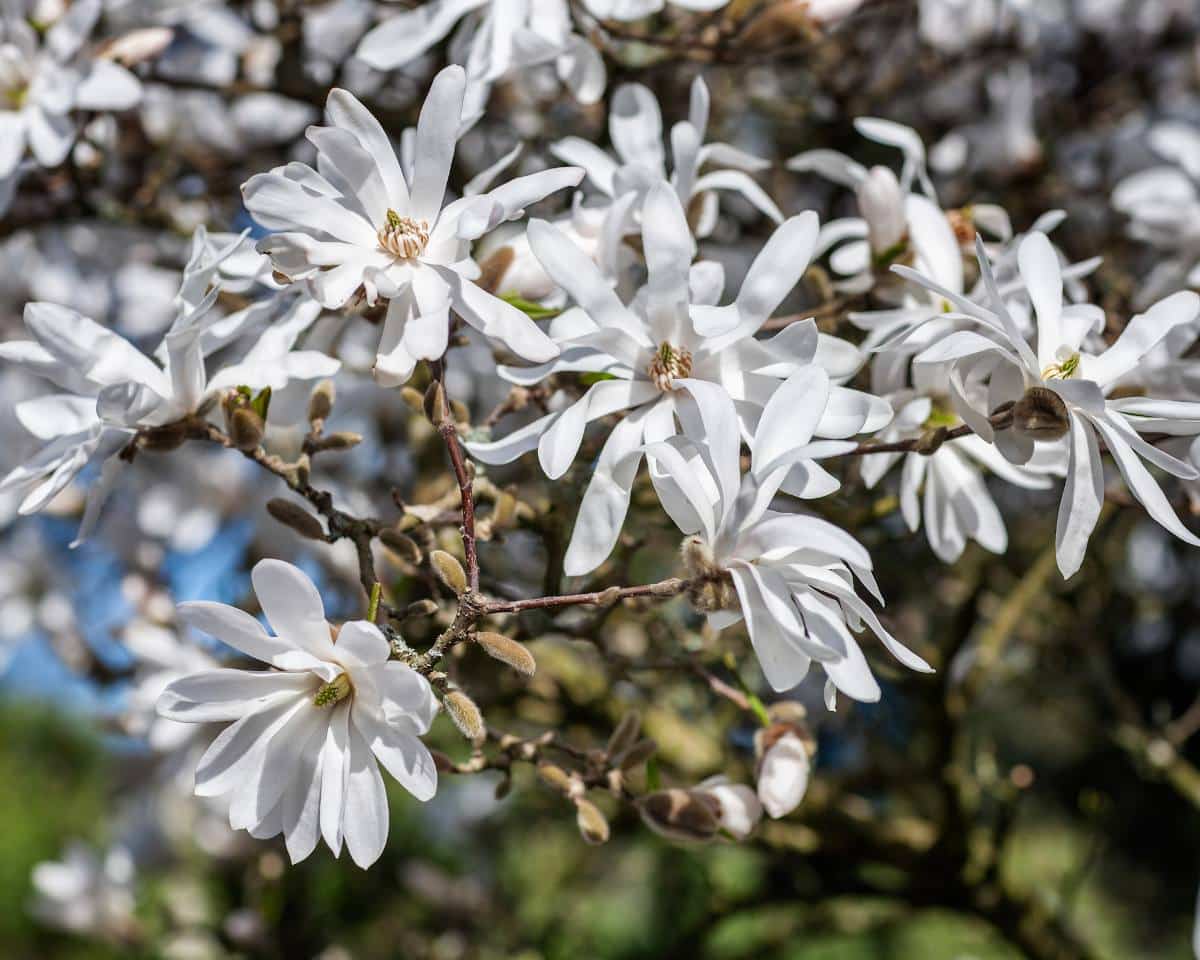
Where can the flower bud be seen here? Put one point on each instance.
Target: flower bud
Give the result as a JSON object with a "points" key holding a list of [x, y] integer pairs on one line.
{"points": [[466, 715], [504, 513], [449, 571], [624, 734], [434, 403], [509, 651], [320, 401], [555, 777], [931, 441], [637, 754], [342, 440], [245, 429], [405, 546], [736, 806], [420, 608], [295, 516], [413, 398], [593, 826], [679, 815], [1041, 414], [783, 774], [170, 436]]}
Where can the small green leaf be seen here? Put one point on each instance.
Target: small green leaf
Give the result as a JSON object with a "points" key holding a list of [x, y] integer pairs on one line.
{"points": [[653, 779], [535, 311], [262, 402], [587, 379]]}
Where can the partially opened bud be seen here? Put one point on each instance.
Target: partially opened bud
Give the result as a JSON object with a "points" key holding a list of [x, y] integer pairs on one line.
{"points": [[737, 807], [679, 815], [509, 651], [783, 773], [1041, 414], [593, 826], [449, 571]]}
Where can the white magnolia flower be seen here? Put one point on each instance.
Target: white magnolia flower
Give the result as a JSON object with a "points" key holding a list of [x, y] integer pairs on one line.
{"points": [[955, 502], [364, 226], [792, 574], [895, 222], [111, 390], [735, 805], [85, 893], [43, 78], [1061, 388], [635, 127], [496, 38], [1163, 206], [299, 756], [637, 9], [783, 773], [670, 331]]}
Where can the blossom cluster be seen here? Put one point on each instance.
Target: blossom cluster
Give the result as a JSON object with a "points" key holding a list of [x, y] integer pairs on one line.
{"points": [[634, 363]]}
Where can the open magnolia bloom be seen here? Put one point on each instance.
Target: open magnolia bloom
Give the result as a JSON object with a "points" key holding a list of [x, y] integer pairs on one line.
{"points": [[637, 9], [896, 224], [1059, 389], [360, 226], [635, 126], [671, 330], [947, 486], [495, 38], [300, 754], [793, 576], [43, 78], [1163, 206], [111, 390]]}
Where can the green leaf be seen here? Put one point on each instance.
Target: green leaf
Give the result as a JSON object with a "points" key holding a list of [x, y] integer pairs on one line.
{"points": [[587, 379], [262, 402], [535, 311]]}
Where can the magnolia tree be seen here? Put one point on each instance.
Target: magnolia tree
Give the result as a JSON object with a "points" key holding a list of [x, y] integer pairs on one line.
{"points": [[458, 329]]}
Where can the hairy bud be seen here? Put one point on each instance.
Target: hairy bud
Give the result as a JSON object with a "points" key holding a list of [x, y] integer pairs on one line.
{"points": [[167, 437], [1041, 414], [504, 513], [405, 546], [624, 734], [637, 754], [245, 429], [420, 608], [466, 715], [679, 815], [449, 571], [931, 441], [295, 516], [413, 398], [321, 400], [434, 403], [593, 826], [556, 777], [509, 651], [342, 440]]}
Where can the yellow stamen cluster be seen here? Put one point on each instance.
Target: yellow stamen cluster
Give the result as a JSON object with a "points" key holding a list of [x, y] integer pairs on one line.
{"points": [[669, 363], [336, 690], [1062, 371], [403, 237]]}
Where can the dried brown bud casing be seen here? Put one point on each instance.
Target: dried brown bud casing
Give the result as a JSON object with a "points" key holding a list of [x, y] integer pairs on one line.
{"points": [[295, 516], [449, 571], [508, 651], [680, 815], [466, 715], [1041, 414]]}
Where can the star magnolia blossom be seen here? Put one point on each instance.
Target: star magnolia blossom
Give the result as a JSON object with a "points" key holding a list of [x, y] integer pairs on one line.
{"points": [[111, 389], [497, 37], [43, 79], [1061, 389], [956, 504], [299, 756], [362, 226], [635, 127], [670, 331], [1163, 206], [792, 575]]}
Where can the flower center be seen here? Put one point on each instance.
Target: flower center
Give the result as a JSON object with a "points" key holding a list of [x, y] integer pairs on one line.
{"points": [[403, 237], [669, 363], [339, 688], [1063, 370]]}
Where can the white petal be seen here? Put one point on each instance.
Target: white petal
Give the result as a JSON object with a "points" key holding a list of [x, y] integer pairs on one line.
{"points": [[437, 134], [293, 606], [1082, 498], [365, 823]]}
